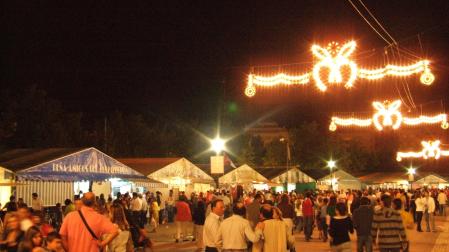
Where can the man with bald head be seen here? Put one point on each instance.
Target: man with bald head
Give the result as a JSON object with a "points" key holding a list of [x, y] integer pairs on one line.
{"points": [[82, 230]]}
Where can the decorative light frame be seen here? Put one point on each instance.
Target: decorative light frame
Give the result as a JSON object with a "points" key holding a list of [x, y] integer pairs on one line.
{"points": [[391, 116], [334, 57], [431, 149]]}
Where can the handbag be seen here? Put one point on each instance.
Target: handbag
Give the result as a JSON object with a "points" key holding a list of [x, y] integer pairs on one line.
{"points": [[88, 228]]}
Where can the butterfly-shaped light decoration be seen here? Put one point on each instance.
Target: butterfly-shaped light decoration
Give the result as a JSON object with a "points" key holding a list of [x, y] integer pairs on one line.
{"points": [[389, 112], [335, 58], [431, 149]]}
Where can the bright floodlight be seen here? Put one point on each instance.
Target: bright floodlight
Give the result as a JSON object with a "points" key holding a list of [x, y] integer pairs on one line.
{"points": [[217, 145], [411, 171], [331, 164]]}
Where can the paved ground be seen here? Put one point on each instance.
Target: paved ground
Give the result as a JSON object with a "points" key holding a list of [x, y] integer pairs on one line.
{"points": [[429, 242]]}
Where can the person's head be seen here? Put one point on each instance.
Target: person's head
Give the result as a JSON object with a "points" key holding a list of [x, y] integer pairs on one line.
{"points": [[89, 199], [284, 199], [134, 195], [277, 213], [78, 204], [325, 201], [23, 212], [12, 222], [34, 195], [397, 204], [386, 200], [33, 234], [217, 206], [267, 212], [239, 209], [332, 200], [54, 241], [258, 197], [364, 201], [118, 216], [341, 209], [426, 194], [36, 219], [12, 198], [67, 202]]}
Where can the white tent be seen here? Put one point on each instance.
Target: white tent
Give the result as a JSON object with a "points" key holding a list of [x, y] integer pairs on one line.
{"points": [[183, 175], [341, 180], [243, 175], [431, 180], [293, 175]]}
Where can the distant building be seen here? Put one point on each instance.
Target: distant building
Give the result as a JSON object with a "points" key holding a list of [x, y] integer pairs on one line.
{"points": [[268, 131]]}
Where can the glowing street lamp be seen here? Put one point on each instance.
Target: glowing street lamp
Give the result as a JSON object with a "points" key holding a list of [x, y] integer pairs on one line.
{"points": [[411, 175], [217, 145], [332, 164]]}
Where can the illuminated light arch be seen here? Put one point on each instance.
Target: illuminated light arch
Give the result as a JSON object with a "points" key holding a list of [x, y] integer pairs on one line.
{"points": [[431, 149], [387, 114], [334, 58]]}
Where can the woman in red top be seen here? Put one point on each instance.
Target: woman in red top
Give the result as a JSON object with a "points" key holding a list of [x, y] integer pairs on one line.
{"points": [[183, 217]]}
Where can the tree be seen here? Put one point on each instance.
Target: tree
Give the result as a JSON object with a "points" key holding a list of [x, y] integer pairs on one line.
{"points": [[252, 150], [276, 154]]}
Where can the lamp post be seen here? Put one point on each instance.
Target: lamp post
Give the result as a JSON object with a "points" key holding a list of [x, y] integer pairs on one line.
{"points": [[411, 175], [217, 145], [287, 159], [331, 164]]}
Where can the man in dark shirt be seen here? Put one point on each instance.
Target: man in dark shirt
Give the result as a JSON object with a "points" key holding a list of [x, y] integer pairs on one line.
{"points": [[288, 212], [362, 219]]}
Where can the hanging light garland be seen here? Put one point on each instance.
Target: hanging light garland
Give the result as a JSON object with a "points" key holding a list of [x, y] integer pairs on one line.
{"points": [[334, 57], [387, 114], [431, 149]]}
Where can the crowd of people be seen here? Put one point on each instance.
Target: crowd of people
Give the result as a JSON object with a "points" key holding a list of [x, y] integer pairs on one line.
{"points": [[223, 220]]}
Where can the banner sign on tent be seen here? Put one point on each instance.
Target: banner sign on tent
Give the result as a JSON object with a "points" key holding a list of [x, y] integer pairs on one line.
{"points": [[217, 164], [88, 164]]}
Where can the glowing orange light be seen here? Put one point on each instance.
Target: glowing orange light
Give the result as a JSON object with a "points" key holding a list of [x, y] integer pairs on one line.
{"points": [[388, 115], [334, 57], [431, 149]]}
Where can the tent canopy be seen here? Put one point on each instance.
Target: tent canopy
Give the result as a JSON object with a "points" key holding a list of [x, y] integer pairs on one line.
{"points": [[243, 174], [58, 164], [293, 175], [182, 169]]}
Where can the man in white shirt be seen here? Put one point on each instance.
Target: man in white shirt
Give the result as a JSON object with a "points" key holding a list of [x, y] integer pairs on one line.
{"points": [[429, 210], [235, 231], [36, 203], [136, 207], [143, 211], [442, 200], [419, 211], [211, 238]]}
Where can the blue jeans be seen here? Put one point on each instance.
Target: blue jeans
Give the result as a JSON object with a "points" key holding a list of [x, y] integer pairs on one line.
{"points": [[364, 241]]}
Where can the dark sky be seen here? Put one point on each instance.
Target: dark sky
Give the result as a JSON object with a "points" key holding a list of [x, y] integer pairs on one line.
{"points": [[181, 57]]}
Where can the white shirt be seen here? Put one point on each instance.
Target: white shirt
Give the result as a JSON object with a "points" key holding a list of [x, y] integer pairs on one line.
{"points": [[210, 231], [136, 204], [235, 230], [442, 198], [429, 204], [37, 204], [419, 204]]}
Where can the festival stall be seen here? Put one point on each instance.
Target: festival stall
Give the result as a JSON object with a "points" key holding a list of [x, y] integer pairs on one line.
{"points": [[295, 179], [246, 176], [57, 174], [431, 180], [339, 180], [178, 173], [386, 180]]}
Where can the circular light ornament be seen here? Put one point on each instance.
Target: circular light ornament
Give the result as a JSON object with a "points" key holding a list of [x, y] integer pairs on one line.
{"points": [[427, 78]]}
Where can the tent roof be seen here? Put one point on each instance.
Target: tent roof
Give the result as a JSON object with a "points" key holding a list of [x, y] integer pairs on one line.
{"points": [[343, 175], [182, 168], [383, 177], [316, 173], [243, 174], [20, 159], [271, 172], [66, 164], [146, 166]]}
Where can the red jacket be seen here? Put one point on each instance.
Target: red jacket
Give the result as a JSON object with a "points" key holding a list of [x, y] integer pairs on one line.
{"points": [[183, 211], [307, 208]]}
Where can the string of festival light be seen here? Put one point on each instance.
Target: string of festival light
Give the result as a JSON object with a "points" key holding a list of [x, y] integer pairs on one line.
{"points": [[430, 149]]}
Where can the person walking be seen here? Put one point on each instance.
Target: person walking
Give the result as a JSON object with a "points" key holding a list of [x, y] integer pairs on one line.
{"points": [[81, 230], [387, 226], [183, 217], [307, 212], [322, 216], [118, 218], [429, 211], [212, 225], [253, 210], [339, 229], [288, 212], [442, 199], [407, 221], [275, 232], [236, 230], [199, 216], [419, 203], [362, 219]]}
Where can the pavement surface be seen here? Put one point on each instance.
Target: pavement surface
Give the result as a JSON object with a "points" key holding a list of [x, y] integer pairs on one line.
{"points": [[164, 239]]}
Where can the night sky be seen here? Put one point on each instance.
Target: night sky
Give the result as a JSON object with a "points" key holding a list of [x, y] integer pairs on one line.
{"points": [[185, 57]]}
